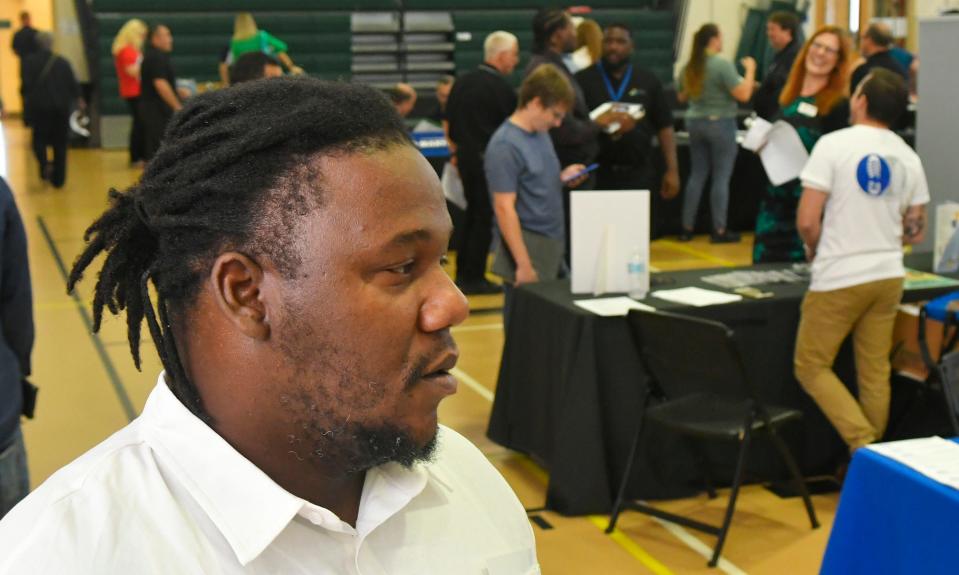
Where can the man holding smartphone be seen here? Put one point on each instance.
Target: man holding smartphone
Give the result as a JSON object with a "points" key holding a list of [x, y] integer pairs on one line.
{"points": [[526, 181]]}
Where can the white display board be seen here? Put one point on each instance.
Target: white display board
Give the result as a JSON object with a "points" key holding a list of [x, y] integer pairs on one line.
{"points": [[945, 257], [937, 122], [606, 228]]}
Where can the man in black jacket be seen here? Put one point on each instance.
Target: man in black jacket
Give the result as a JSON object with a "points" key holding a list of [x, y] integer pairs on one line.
{"points": [[24, 44], [782, 30], [875, 43], [25, 39], [16, 343], [479, 102], [49, 92]]}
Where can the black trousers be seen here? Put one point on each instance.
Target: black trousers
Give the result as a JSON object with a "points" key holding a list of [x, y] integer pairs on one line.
{"points": [[136, 130], [153, 120], [478, 226], [51, 128]]}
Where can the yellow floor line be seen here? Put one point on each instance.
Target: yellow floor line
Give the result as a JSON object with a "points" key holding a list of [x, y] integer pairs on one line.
{"points": [[537, 471], [617, 536], [699, 547], [676, 246], [631, 547]]}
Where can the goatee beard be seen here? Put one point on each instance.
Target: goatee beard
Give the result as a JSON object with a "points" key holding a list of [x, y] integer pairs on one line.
{"points": [[611, 67]]}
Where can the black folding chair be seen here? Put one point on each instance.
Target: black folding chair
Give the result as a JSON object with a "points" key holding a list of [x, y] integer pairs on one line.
{"points": [[697, 366], [948, 368]]}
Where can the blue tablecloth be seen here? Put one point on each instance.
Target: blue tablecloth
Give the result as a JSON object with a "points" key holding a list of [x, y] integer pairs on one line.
{"points": [[892, 519]]}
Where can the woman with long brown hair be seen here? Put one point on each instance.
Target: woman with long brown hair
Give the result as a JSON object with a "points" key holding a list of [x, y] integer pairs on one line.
{"points": [[712, 86], [815, 102]]}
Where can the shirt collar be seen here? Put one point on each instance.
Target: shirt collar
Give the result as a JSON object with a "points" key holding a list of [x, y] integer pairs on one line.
{"points": [[248, 508]]}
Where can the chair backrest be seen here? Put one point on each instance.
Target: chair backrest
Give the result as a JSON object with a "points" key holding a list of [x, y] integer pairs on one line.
{"points": [[690, 355], [949, 376]]}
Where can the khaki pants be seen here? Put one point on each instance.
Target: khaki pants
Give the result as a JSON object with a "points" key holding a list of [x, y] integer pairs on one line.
{"points": [[868, 311]]}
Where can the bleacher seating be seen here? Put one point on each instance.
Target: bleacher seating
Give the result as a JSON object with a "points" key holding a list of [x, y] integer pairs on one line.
{"points": [[320, 38]]}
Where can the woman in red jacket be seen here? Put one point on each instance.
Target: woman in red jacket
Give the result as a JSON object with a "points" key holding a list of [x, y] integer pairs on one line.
{"points": [[127, 56]]}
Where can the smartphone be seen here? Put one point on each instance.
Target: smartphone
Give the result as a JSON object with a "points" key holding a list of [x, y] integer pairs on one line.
{"points": [[579, 174]]}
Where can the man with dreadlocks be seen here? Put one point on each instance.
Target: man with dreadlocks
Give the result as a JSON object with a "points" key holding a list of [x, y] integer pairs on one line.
{"points": [[295, 240]]}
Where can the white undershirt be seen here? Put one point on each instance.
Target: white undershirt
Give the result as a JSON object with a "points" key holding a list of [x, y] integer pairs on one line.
{"points": [[166, 494]]}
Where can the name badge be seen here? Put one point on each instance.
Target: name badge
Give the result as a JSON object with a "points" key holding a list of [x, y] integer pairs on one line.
{"points": [[807, 109]]}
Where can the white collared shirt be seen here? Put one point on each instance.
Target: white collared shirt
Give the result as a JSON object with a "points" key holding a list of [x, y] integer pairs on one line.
{"points": [[166, 494]]}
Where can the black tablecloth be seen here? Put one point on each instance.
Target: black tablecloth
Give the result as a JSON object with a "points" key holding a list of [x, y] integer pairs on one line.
{"points": [[570, 387]]}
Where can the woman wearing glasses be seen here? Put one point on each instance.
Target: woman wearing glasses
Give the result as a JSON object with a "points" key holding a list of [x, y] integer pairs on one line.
{"points": [[815, 102]]}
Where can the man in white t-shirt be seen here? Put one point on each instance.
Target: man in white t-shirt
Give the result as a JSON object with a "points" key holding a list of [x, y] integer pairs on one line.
{"points": [[864, 197], [295, 239]]}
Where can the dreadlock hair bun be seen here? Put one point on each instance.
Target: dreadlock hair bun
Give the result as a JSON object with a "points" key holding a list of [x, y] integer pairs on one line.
{"points": [[234, 172]]}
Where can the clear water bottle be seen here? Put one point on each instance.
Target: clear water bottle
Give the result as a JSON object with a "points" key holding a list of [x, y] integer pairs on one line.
{"points": [[636, 272]]}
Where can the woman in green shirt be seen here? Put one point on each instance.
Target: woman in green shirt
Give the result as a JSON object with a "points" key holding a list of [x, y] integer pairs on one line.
{"points": [[712, 87], [248, 38], [815, 102]]}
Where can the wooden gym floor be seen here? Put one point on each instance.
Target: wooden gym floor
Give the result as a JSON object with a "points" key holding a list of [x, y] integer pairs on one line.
{"points": [[89, 389]]}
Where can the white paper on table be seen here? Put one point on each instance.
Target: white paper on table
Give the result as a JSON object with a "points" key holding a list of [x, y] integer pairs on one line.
{"points": [[696, 296], [934, 457], [784, 155], [612, 306], [756, 136]]}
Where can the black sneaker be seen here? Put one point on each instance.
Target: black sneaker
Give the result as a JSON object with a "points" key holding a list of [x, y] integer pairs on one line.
{"points": [[724, 237], [479, 287], [685, 235]]}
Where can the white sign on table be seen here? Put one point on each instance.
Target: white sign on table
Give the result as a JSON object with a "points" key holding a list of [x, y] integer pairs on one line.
{"points": [[607, 228]]}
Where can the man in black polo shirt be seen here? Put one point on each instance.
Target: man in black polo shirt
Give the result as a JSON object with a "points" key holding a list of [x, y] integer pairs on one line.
{"points": [[625, 158], [158, 97], [479, 102], [875, 43], [782, 30]]}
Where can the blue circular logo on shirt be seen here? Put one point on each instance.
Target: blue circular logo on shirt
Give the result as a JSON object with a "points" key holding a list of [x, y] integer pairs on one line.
{"points": [[873, 175]]}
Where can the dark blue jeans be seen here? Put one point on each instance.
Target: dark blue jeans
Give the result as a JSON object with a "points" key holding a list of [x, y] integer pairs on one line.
{"points": [[14, 477], [712, 149]]}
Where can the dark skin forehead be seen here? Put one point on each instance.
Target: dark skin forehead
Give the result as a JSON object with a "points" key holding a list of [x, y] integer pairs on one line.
{"points": [[380, 203], [617, 44], [617, 34]]}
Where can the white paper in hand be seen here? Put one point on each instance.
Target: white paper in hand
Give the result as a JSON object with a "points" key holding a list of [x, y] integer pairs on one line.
{"points": [[756, 136], [784, 155], [453, 186]]}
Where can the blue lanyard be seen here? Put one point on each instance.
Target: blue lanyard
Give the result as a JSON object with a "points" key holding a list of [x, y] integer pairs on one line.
{"points": [[616, 95]]}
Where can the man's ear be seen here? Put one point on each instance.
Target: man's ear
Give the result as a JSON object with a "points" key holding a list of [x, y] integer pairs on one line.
{"points": [[237, 285]]}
